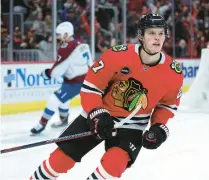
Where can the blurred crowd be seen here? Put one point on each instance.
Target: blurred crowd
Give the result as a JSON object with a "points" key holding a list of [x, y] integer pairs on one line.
{"points": [[190, 24]]}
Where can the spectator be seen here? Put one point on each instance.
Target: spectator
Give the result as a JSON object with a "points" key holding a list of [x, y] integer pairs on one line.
{"points": [[168, 46], [39, 28], [24, 42], [103, 18], [46, 47], [132, 20], [34, 9], [158, 7], [135, 4], [4, 35], [181, 49], [85, 23], [17, 38], [31, 39], [103, 44], [17, 31], [77, 12], [145, 9], [48, 23], [180, 29], [202, 44], [69, 13]]}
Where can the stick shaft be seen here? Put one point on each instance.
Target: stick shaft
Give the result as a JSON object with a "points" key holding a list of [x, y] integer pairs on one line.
{"points": [[61, 139], [67, 138]]}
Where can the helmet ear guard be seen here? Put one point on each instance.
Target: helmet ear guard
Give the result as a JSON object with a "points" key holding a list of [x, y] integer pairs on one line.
{"points": [[152, 21]]}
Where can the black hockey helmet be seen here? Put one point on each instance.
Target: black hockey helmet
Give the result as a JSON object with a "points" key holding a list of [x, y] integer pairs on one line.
{"points": [[152, 21]]}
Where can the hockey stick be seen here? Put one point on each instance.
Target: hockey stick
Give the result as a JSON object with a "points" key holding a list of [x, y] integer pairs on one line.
{"points": [[67, 138], [61, 139], [128, 117]]}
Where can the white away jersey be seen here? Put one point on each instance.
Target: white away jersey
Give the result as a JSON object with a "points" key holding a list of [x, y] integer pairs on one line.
{"points": [[73, 60]]}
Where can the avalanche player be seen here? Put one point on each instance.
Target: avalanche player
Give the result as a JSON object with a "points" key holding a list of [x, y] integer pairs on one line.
{"points": [[72, 63], [124, 78]]}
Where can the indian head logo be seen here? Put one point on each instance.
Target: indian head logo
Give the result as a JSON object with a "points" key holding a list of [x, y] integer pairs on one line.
{"points": [[119, 48], [176, 66], [129, 93]]}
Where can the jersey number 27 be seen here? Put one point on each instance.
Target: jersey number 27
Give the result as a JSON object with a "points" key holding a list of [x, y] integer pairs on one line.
{"points": [[100, 66]]}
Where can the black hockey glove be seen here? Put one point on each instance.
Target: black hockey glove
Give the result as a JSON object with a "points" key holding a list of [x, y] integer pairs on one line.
{"points": [[45, 74], [156, 135], [101, 123]]}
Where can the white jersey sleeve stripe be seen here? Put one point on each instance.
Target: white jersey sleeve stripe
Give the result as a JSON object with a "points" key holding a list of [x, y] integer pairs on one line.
{"points": [[90, 91], [92, 86], [172, 108]]}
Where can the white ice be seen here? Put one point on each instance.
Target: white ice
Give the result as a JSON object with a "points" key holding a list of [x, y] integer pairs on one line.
{"points": [[184, 156]]}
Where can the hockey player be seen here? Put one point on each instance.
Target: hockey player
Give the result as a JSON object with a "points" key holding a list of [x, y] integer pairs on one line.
{"points": [[72, 63], [124, 78]]}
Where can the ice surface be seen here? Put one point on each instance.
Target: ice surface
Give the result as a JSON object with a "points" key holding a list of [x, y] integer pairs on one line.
{"points": [[184, 156]]}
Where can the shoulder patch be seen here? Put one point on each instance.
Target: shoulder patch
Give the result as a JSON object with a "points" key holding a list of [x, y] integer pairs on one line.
{"points": [[119, 48], [176, 66]]}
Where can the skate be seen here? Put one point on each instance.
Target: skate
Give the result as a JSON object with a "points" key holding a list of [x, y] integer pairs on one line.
{"points": [[59, 124], [38, 128]]}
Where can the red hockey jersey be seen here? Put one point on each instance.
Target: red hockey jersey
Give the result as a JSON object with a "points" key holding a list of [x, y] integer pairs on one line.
{"points": [[119, 81]]}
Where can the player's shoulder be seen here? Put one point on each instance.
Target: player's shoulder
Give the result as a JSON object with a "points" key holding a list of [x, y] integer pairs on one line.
{"points": [[174, 68], [67, 48], [117, 55], [123, 49], [119, 51]]}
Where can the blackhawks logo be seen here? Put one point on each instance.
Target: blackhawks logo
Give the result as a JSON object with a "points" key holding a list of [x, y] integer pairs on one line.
{"points": [[129, 93], [119, 48], [176, 67]]}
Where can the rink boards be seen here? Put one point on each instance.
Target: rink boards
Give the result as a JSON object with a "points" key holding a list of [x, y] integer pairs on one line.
{"points": [[24, 90], [190, 68]]}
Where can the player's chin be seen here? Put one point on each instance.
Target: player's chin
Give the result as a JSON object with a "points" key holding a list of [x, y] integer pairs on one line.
{"points": [[156, 48]]}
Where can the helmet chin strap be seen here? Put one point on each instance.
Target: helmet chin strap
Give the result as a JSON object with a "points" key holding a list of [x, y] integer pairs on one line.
{"points": [[151, 54]]}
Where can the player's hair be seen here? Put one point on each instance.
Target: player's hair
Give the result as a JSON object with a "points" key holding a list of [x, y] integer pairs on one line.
{"points": [[152, 21]]}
